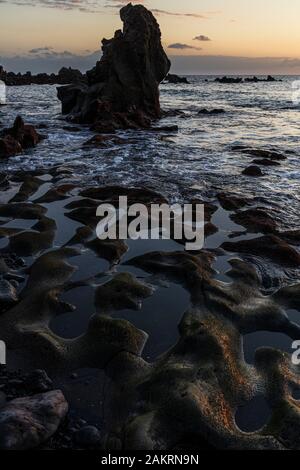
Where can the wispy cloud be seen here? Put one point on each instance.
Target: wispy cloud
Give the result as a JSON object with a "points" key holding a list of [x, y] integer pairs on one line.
{"points": [[157, 11], [180, 46], [88, 6], [203, 38], [47, 59]]}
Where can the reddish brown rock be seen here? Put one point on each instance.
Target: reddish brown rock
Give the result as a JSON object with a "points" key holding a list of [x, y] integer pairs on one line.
{"points": [[9, 147], [255, 220], [17, 138]]}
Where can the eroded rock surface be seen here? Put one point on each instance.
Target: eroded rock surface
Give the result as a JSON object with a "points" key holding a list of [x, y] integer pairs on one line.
{"points": [[189, 394]]}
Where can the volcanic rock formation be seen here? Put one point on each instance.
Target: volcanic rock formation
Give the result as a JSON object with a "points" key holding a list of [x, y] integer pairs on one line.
{"points": [[122, 89], [64, 77]]}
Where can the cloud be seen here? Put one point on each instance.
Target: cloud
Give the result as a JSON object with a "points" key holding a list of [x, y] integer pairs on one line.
{"points": [[40, 50], [46, 59], [234, 65], [158, 11], [172, 13], [51, 61], [180, 46], [85, 6], [202, 38]]}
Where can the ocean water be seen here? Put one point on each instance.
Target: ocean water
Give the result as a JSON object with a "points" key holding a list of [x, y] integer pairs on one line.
{"points": [[198, 160], [198, 157]]}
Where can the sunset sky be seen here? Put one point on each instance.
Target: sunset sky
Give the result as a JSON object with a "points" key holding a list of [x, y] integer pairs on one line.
{"points": [[201, 36]]}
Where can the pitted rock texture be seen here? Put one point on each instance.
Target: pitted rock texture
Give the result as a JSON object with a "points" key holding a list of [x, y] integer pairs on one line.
{"points": [[191, 393]]}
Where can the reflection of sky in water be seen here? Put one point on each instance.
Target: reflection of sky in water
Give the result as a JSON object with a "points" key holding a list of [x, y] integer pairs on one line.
{"points": [[260, 339]]}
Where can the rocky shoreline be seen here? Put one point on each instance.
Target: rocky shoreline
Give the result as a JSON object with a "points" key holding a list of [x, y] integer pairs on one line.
{"points": [[63, 77], [210, 332], [73, 308]]}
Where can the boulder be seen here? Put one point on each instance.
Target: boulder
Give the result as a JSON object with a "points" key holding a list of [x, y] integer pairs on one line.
{"points": [[27, 422], [122, 88], [17, 138]]}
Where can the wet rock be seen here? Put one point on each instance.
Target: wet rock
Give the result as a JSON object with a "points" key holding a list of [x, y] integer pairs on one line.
{"points": [[88, 437], [18, 138], [210, 229], [211, 112], [163, 129], [255, 220], [268, 246], [4, 181], [29, 243], [27, 422], [122, 88], [112, 193], [253, 170], [81, 236], [29, 186], [111, 250], [232, 202], [122, 292], [260, 153], [9, 147], [265, 162], [22, 210], [8, 294], [49, 271], [178, 265], [55, 194], [175, 79]]}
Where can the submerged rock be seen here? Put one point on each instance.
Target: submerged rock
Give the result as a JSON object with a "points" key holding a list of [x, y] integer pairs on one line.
{"points": [[211, 111], [253, 170], [175, 79], [269, 246], [260, 153], [122, 88]]}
